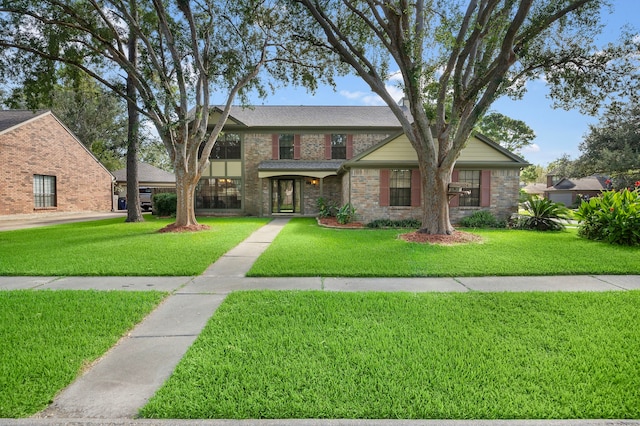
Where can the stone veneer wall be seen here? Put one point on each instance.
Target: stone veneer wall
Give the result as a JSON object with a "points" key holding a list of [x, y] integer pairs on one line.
{"points": [[365, 197], [45, 147]]}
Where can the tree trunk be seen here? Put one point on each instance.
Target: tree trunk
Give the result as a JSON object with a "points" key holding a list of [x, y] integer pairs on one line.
{"points": [[186, 182], [134, 211], [435, 200]]}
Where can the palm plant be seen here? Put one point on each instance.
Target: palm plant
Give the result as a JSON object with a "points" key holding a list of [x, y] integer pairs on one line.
{"points": [[543, 215]]}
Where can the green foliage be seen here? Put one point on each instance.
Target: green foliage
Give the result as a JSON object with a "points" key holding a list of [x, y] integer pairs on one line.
{"points": [[533, 174], [482, 219], [326, 208], [372, 355], [49, 337], [346, 214], [613, 217], [165, 204], [543, 215], [512, 134], [390, 223]]}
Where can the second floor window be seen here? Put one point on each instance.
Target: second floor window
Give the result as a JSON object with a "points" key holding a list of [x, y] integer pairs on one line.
{"points": [[338, 146], [227, 147], [285, 146]]}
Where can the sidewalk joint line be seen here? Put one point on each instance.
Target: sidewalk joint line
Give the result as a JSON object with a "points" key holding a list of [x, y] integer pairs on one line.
{"points": [[456, 279]]}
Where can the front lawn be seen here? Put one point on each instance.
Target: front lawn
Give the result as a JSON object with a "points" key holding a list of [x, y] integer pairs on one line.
{"points": [[49, 337], [299, 354], [114, 248], [305, 249]]}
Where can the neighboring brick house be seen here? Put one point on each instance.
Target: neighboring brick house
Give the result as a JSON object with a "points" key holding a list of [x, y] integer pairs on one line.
{"points": [[45, 168], [274, 160]]}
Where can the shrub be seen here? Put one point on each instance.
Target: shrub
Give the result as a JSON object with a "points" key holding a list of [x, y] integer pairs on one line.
{"points": [[325, 208], [613, 217], [346, 214], [165, 204], [543, 215], [482, 219], [389, 223]]}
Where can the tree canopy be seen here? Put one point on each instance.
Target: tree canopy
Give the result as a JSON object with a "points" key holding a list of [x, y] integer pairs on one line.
{"points": [[468, 53], [512, 134], [612, 147], [187, 52]]}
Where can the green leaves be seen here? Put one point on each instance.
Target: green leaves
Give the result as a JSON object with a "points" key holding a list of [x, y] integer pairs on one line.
{"points": [[613, 217], [544, 215]]}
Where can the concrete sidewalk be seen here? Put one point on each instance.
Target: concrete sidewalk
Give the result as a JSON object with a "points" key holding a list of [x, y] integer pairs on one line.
{"points": [[122, 381]]}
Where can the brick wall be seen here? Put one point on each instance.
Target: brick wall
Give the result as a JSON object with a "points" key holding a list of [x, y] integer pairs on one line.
{"points": [[257, 148], [365, 196], [44, 147]]}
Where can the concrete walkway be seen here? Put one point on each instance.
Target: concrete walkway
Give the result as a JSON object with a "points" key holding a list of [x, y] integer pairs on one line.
{"points": [[122, 381]]}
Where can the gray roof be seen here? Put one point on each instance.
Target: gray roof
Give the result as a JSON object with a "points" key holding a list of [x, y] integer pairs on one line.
{"points": [[591, 183], [148, 175], [315, 116], [12, 118], [327, 165]]}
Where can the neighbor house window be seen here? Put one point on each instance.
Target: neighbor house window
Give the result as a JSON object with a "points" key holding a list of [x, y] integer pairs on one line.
{"points": [[227, 147], [285, 146], [400, 188], [338, 146], [44, 191], [471, 180]]}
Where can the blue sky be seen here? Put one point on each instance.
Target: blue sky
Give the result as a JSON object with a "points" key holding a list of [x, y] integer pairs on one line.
{"points": [[557, 131]]}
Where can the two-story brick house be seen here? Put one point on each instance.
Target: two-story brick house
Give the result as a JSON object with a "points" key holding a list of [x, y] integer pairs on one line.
{"points": [[274, 160]]}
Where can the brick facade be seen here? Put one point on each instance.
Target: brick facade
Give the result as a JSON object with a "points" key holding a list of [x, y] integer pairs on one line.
{"points": [[43, 146], [257, 192], [363, 188]]}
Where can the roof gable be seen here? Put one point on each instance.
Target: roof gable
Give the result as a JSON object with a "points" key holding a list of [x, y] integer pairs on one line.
{"points": [[479, 150]]}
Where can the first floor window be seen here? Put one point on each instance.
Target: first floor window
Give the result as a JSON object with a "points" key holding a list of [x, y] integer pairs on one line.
{"points": [[400, 188], [285, 145], [219, 193], [471, 180], [44, 191]]}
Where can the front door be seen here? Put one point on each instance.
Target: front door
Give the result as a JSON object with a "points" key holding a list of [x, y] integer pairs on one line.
{"points": [[285, 196]]}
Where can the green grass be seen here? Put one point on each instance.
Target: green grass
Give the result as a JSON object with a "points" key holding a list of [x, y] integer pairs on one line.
{"points": [[114, 248], [411, 356], [305, 249], [48, 337]]}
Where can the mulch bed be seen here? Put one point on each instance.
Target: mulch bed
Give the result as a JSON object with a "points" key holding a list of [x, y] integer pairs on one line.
{"points": [[190, 228], [457, 237], [332, 222]]}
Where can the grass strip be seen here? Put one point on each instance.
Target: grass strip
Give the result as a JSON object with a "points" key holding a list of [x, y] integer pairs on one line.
{"points": [[305, 249], [114, 248], [49, 337], [411, 356]]}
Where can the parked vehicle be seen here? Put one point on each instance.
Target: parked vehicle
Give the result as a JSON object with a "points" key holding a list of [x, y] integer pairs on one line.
{"points": [[145, 199]]}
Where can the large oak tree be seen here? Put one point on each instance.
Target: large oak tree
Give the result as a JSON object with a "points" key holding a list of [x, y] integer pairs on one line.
{"points": [[187, 53], [468, 53]]}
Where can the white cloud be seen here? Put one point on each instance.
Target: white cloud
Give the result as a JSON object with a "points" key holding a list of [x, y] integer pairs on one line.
{"points": [[393, 87], [534, 147]]}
